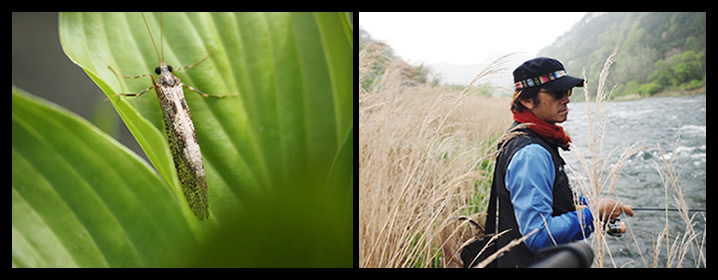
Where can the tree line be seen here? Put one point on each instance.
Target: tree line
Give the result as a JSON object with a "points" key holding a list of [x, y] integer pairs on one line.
{"points": [[656, 52]]}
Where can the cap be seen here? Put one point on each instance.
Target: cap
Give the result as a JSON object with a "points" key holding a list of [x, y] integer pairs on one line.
{"points": [[545, 72]]}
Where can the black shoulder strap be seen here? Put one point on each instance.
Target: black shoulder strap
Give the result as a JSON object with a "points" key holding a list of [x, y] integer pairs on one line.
{"points": [[492, 219]]}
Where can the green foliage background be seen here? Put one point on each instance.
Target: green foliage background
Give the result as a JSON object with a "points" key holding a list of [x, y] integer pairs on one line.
{"points": [[656, 51], [278, 158]]}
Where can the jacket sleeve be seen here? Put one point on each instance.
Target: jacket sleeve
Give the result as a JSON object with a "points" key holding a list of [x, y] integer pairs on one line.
{"points": [[529, 179]]}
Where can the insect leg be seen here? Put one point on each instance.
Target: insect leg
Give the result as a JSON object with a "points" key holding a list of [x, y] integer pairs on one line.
{"points": [[193, 64], [127, 77], [207, 95], [130, 94]]}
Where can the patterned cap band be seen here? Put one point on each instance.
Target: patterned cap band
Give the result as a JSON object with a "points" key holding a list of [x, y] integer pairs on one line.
{"points": [[537, 81]]}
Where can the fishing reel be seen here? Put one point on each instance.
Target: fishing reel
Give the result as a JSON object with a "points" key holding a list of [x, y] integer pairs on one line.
{"points": [[615, 227]]}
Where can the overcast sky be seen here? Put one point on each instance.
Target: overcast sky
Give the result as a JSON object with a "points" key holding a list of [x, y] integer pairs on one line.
{"points": [[465, 38]]}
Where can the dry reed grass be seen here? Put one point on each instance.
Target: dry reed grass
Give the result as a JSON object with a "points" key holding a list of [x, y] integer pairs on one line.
{"points": [[424, 159], [687, 241], [600, 180]]}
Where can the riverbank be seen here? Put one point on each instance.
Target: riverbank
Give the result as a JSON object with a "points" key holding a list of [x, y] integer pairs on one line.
{"points": [[665, 93], [424, 159]]}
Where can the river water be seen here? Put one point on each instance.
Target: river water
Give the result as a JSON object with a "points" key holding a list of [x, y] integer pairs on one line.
{"points": [[678, 124]]}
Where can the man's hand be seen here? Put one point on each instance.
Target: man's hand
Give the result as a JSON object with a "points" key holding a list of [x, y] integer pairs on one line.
{"points": [[615, 208]]}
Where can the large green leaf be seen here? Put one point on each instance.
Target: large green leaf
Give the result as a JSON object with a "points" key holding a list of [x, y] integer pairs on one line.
{"points": [[276, 152], [293, 73], [77, 200]]}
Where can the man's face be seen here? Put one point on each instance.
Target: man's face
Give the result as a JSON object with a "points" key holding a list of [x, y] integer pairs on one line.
{"points": [[551, 108]]}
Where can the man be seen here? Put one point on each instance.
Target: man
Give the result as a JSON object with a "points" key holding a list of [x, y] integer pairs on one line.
{"points": [[529, 177]]}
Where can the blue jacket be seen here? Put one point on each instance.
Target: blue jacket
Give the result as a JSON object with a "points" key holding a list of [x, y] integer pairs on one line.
{"points": [[530, 178], [530, 192]]}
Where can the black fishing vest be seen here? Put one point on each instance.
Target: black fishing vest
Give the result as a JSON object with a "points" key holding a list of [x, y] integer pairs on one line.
{"points": [[521, 255]]}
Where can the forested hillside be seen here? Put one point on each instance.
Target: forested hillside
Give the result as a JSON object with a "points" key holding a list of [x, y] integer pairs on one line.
{"points": [[384, 55], [656, 51]]}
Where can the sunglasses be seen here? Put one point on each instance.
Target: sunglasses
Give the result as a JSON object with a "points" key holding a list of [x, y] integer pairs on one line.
{"points": [[557, 94]]}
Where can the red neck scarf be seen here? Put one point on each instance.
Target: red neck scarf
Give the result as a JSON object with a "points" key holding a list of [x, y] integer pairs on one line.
{"points": [[543, 128]]}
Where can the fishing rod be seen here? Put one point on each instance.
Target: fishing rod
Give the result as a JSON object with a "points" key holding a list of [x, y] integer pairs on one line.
{"points": [[617, 228], [665, 209]]}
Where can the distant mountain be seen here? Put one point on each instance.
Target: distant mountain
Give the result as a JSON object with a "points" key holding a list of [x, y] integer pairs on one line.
{"points": [[462, 74], [655, 51], [455, 74]]}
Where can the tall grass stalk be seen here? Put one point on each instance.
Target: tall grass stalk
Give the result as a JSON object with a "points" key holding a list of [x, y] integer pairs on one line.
{"points": [[688, 241], [599, 180]]}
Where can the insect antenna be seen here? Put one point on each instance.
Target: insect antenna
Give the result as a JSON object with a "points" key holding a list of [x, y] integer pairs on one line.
{"points": [[162, 40], [151, 38]]}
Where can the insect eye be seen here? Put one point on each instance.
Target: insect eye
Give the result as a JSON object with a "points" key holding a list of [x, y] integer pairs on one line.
{"points": [[157, 70], [169, 68]]}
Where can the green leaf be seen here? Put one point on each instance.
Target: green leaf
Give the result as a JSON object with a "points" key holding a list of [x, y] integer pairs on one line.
{"points": [[271, 154], [80, 199], [293, 73]]}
